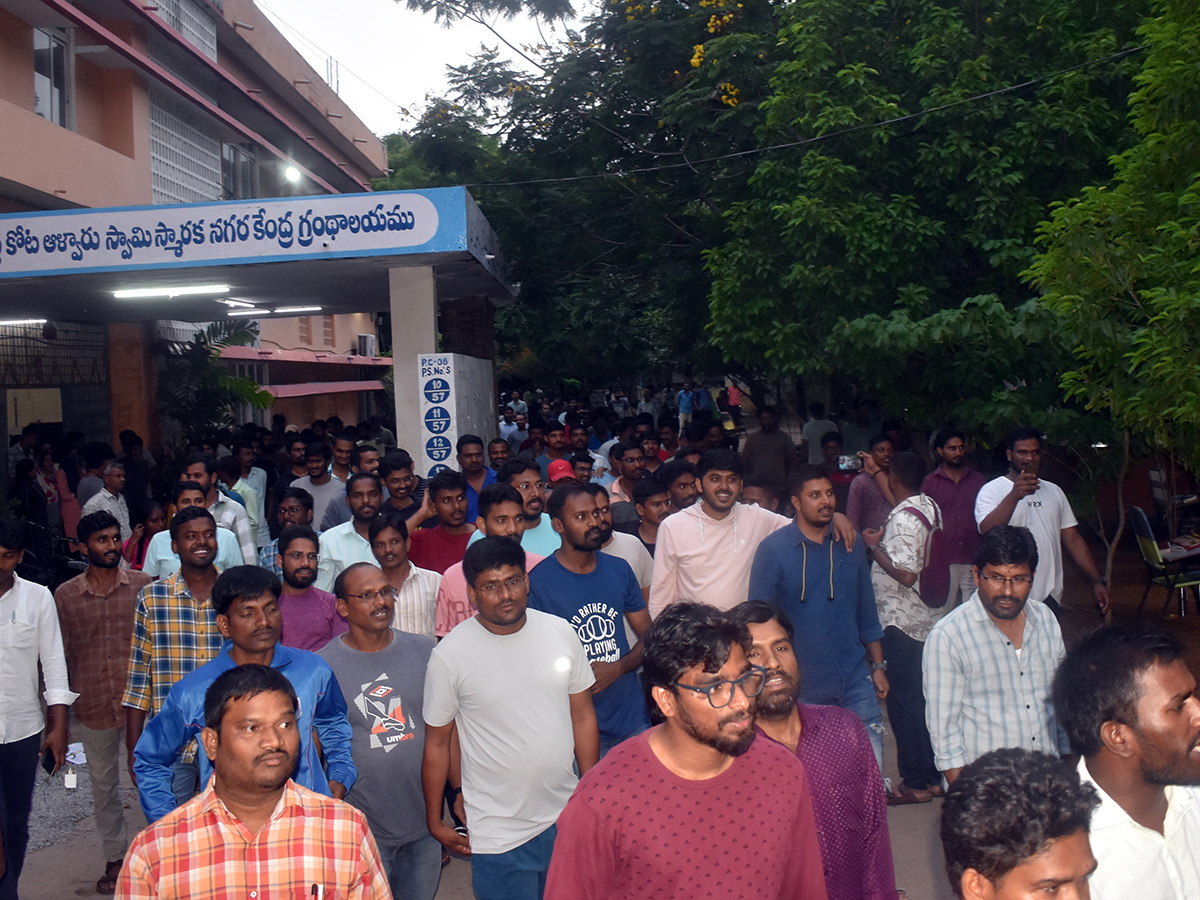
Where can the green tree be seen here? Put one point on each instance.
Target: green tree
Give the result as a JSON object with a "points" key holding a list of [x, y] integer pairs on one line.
{"points": [[1120, 261]]}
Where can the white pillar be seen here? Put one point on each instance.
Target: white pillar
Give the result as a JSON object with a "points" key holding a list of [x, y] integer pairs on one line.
{"points": [[414, 331]]}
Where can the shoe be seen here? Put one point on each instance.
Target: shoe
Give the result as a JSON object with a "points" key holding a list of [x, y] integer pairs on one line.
{"points": [[901, 794], [108, 883]]}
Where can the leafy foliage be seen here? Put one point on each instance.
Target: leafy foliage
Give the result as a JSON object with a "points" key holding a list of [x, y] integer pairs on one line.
{"points": [[194, 389], [1120, 262]]}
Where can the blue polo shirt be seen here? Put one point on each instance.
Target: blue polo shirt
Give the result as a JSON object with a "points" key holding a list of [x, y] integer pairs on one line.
{"points": [[489, 477], [828, 595]]}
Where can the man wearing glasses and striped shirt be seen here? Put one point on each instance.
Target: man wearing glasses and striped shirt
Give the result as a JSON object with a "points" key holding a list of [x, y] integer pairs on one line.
{"points": [[989, 664]]}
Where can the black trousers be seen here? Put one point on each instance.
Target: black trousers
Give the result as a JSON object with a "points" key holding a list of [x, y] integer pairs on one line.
{"points": [[18, 766], [906, 709]]}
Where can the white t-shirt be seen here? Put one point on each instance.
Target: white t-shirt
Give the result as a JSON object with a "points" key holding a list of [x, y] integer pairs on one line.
{"points": [[629, 548], [509, 695], [1046, 513], [812, 432]]}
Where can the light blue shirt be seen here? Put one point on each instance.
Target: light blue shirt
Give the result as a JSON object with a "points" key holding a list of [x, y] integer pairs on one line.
{"points": [[542, 540], [163, 562], [341, 547]]}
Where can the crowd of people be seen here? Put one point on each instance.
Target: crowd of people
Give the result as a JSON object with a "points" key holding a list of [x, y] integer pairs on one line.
{"points": [[614, 652]]}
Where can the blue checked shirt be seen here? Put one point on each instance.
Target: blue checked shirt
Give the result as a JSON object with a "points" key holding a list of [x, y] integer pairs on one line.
{"points": [[980, 695], [268, 558]]}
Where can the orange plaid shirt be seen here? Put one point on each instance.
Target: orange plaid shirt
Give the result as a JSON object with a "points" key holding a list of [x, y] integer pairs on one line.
{"points": [[202, 850]]}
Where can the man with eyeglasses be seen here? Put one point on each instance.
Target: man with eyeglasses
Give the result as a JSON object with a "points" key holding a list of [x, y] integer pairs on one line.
{"points": [[539, 536], [381, 670], [310, 616], [989, 664], [658, 816], [516, 683]]}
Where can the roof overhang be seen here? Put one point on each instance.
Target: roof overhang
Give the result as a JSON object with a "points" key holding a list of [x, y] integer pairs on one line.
{"points": [[332, 251]]}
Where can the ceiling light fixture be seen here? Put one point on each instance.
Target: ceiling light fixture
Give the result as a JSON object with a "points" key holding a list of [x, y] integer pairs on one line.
{"points": [[230, 301], [297, 309], [292, 174], [168, 292], [7, 322], [247, 312]]}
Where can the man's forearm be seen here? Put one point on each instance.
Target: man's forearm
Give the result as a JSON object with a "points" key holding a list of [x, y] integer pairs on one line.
{"points": [[135, 721], [435, 767], [1001, 514]]}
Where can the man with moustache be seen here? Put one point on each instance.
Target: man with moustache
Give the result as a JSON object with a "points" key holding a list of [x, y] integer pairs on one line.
{"points": [[828, 595], [202, 469], [319, 482], [498, 453], [253, 832], [516, 684], [479, 476], [1020, 497], [679, 476], [954, 487], [832, 744], [381, 670], [501, 514], [363, 458], [597, 594], [246, 605], [870, 500], [310, 616], [988, 664], [539, 536], [95, 614], [295, 507], [416, 588], [161, 561], [1127, 700], [655, 817], [440, 547], [347, 544]]}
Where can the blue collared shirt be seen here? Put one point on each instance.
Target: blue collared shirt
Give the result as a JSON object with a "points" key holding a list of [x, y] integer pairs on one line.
{"points": [[828, 595], [182, 717], [489, 477]]}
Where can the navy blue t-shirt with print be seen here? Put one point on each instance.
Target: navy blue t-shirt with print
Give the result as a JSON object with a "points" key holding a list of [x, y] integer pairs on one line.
{"points": [[595, 604]]}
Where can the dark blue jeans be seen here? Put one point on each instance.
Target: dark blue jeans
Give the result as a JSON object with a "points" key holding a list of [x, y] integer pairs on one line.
{"points": [[906, 709], [517, 874], [18, 767]]}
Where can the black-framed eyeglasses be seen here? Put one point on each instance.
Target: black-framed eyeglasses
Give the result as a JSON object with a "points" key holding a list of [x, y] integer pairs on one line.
{"points": [[720, 693], [1017, 581], [491, 587], [389, 593]]}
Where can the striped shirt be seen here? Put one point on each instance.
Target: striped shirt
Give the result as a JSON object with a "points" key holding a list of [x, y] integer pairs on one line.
{"points": [[232, 515], [202, 850], [416, 602], [268, 558], [104, 501], [982, 694]]}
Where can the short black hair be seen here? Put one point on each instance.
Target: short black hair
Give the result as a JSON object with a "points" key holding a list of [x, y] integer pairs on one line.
{"points": [[12, 533], [720, 459], [879, 439], [297, 533], [909, 470], [318, 450], [946, 434], [186, 515], [344, 435], [497, 440], [394, 461], [226, 465], [1005, 807], [560, 496], [620, 448], [242, 683], [242, 583], [1007, 545], [759, 612], [446, 480], [829, 436], [359, 476], [467, 439], [595, 488], [93, 522], [495, 494], [185, 486], [767, 408], [209, 461], [685, 635], [1024, 433], [357, 452], [339, 583], [646, 489], [384, 521], [514, 467], [554, 425], [670, 472], [763, 483], [802, 475], [1100, 680], [295, 493], [491, 553]]}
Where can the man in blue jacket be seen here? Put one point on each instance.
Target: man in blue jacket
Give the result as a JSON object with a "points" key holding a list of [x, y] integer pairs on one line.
{"points": [[246, 602]]}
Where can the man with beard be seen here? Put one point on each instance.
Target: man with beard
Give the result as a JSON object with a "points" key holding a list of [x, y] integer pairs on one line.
{"points": [[416, 588], [295, 507], [629, 464], [479, 476], [870, 500], [320, 484], [440, 547], [202, 469], [382, 673], [539, 536], [253, 832], [988, 664], [579, 445], [1128, 702], [769, 452], [596, 593], [310, 617], [95, 613], [498, 453], [953, 486], [501, 514], [679, 476], [556, 446], [655, 818], [246, 604], [516, 685], [365, 459], [1019, 497], [346, 544], [833, 746], [829, 597]]}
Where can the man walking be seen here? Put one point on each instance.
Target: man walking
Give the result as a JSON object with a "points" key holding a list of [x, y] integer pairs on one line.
{"points": [[347, 544], [310, 616], [111, 499], [478, 475], [954, 487], [319, 482], [416, 588], [202, 469]]}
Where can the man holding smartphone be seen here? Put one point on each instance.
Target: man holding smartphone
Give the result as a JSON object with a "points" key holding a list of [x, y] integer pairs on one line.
{"points": [[29, 633]]}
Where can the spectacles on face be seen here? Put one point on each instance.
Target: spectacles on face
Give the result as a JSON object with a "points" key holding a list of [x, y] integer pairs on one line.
{"points": [[300, 556], [388, 593], [720, 693], [492, 587], [526, 485], [1016, 582]]}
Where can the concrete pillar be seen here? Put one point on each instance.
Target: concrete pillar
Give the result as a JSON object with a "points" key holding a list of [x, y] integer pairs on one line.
{"points": [[414, 331], [132, 378]]}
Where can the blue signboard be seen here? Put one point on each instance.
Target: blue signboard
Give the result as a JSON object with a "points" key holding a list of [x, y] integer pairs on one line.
{"points": [[437, 419], [437, 390], [438, 448]]}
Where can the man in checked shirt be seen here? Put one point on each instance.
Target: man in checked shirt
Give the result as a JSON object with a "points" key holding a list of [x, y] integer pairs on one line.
{"points": [[253, 832]]}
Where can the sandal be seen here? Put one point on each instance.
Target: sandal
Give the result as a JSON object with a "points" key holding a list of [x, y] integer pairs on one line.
{"points": [[935, 790], [108, 883], [901, 795]]}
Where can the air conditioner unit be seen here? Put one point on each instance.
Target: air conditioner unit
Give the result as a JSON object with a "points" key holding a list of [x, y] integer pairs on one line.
{"points": [[366, 345]]}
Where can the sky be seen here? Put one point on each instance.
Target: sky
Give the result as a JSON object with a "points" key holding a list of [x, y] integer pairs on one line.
{"points": [[389, 58]]}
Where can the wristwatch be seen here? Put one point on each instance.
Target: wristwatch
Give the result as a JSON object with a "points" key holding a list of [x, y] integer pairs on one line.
{"points": [[879, 667]]}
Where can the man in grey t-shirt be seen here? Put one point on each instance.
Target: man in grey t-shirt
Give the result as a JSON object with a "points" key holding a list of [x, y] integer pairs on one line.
{"points": [[382, 675]]}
